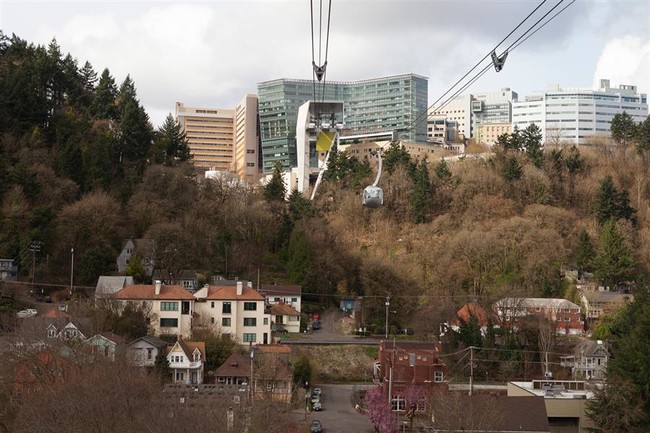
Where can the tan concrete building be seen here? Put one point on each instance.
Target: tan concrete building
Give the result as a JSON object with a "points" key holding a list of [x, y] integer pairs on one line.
{"points": [[488, 133], [565, 401], [210, 134], [247, 160]]}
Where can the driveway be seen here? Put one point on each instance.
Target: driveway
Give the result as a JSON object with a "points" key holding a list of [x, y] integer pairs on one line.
{"points": [[338, 414]]}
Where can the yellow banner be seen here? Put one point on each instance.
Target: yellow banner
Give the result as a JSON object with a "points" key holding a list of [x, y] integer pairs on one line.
{"points": [[324, 141]]}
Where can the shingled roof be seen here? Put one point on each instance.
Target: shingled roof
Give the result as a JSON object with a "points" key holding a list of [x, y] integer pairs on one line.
{"points": [[229, 293]]}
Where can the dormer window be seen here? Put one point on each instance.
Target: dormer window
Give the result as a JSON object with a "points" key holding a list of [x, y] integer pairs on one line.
{"points": [[51, 333], [197, 356]]}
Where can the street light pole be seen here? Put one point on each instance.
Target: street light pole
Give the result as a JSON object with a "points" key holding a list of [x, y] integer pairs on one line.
{"points": [[71, 270], [387, 305], [250, 382]]}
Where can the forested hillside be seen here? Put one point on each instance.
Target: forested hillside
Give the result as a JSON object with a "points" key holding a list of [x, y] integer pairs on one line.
{"points": [[82, 168]]}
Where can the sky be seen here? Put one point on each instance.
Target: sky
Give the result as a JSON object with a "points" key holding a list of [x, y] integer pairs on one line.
{"points": [[212, 53]]}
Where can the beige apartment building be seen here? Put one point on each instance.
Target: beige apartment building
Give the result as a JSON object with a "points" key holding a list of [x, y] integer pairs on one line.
{"points": [[210, 134], [247, 160], [489, 133]]}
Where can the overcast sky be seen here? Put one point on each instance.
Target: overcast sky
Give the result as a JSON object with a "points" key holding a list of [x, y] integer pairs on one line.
{"points": [[211, 53]]}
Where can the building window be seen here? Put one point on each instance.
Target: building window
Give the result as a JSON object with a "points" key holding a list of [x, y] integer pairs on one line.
{"points": [[169, 306], [227, 308], [168, 323], [398, 403], [180, 376], [250, 306], [293, 318], [212, 304], [225, 321], [266, 320], [212, 320], [149, 353], [438, 376], [294, 299], [250, 337], [250, 321]]}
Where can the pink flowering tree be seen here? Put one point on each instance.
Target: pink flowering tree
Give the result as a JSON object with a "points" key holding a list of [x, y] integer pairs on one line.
{"points": [[379, 411]]}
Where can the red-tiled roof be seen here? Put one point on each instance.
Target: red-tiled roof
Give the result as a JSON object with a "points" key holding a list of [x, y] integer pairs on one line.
{"points": [[55, 313], [147, 292], [229, 293], [475, 310], [283, 310], [273, 348]]}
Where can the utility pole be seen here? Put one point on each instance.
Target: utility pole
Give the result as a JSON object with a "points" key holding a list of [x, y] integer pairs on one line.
{"points": [[34, 247], [71, 270], [471, 370], [387, 305]]}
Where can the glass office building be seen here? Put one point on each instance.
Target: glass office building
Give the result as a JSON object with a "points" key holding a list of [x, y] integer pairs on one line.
{"points": [[396, 105]]}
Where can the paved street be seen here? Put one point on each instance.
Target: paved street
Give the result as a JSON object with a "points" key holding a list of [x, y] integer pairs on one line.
{"points": [[338, 414]]}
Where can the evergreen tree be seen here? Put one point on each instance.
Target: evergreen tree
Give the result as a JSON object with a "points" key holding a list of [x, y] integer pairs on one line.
{"points": [[88, 77], [613, 264], [623, 129], [171, 140], [643, 136], [512, 141], [299, 206], [421, 195], [397, 155], [275, 190], [103, 105], [300, 257], [442, 170], [584, 252], [135, 130], [532, 141], [623, 404], [511, 169], [612, 203]]}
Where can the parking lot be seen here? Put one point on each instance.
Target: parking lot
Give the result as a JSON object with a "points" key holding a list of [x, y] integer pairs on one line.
{"points": [[338, 413]]}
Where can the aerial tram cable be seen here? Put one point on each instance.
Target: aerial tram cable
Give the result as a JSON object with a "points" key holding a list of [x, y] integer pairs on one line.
{"points": [[319, 74], [497, 61], [527, 34]]}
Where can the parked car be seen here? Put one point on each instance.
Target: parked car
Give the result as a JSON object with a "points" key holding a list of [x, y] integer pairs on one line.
{"points": [[316, 427], [317, 407], [315, 399], [315, 325], [316, 392]]}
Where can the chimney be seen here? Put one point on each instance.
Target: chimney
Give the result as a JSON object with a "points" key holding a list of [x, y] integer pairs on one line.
{"points": [[158, 285], [240, 288]]}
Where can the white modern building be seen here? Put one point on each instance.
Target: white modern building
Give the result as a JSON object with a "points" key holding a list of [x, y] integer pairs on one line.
{"points": [[574, 115]]}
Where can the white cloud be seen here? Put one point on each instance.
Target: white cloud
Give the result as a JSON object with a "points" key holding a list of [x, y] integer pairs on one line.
{"points": [[625, 60]]}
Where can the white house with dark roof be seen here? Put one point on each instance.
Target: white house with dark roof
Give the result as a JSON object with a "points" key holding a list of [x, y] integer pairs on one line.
{"points": [[170, 307], [106, 344], [285, 294], [186, 360], [236, 310]]}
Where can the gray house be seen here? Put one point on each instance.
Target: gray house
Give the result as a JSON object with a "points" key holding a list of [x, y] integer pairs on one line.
{"points": [[144, 248]]}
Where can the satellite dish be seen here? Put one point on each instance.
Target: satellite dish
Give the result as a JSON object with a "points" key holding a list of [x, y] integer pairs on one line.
{"points": [[373, 196]]}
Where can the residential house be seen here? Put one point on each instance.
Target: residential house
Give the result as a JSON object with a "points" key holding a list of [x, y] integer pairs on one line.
{"points": [[107, 286], [284, 318], [286, 294], [186, 360], [272, 373], [106, 344], [68, 332], [236, 370], [42, 369], [143, 351], [589, 360], [170, 307], [565, 400], [488, 414], [143, 248], [466, 314], [404, 367], [185, 278], [564, 314], [8, 272], [235, 310], [598, 303]]}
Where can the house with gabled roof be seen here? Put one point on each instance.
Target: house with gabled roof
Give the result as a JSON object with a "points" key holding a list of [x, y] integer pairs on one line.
{"points": [[272, 374], [144, 248], [598, 303], [142, 352], [170, 307], [564, 314], [235, 310], [107, 286], [187, 278], [186, 360], [289, 294], [284, 318], [236, 370], [588, 361], [107, 344]]}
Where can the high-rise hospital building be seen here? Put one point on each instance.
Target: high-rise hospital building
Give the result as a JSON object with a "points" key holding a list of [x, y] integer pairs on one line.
{"points": [[392, 107]]}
